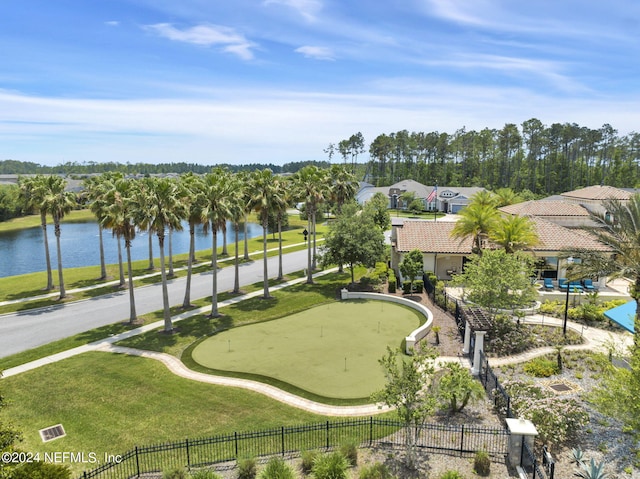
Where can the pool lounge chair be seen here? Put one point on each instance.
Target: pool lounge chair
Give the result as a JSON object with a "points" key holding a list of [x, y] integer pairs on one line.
{"points": [[576, 287], [562, 283], [588, 285], [548, 284]]}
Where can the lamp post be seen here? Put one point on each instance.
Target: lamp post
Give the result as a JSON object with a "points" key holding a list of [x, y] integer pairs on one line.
{"points": [[566, 304]]}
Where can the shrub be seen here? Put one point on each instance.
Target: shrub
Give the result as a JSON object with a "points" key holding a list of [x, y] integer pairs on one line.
{"points": [[308, 457], [177, 473], [482, 463], [506, 338], [349, 450], [39, 470], [557, 420], [247, 468], [204, 474], [406, 287], [452, 475], [377, 470], [418, 286], [330, 466], [276, 468], [541, 367], [392, 283]]}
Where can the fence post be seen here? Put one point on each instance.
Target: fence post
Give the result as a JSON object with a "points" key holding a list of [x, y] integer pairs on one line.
{"points": [[282, 438], [186, 442], [370, 430], [235, 440], [327, 434], [462, 439], [137, 462]]}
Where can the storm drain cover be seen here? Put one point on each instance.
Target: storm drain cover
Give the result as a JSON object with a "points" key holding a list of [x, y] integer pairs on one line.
{"points": [[560, 387], [51, 433]]}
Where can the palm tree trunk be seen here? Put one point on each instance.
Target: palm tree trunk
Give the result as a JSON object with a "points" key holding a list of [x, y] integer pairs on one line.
{"points": [[224, 240], [43, 220], [280, 275], [265, 273], [214, 279], [313, 265], [171, 274], [120, 264], [151, 266], [63, 293], [236, 280], [309, 271], [132, 301], [246, 244], [187, 294], [168, 325], [103, 267]]}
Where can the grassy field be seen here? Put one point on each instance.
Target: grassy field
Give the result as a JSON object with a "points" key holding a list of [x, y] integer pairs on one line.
{"points": [[110, 403], [330, 350]]}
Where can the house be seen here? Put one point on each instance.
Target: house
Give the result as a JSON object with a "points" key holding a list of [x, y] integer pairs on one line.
{"points": [[447, 199], [563, 213], [446, 256]]}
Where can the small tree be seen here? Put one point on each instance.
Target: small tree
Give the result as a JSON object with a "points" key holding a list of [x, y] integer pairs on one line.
{"points": [[412, 265], [353, 239], [457, 387], [497, 280], [408, 391], [378, 207]]}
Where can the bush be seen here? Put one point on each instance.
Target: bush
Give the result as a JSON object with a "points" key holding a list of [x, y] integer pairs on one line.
{"points": [[541, 367], [350, 451], [177, 473], [505, 338], [377, 470], [276, 468], [40, 470], [247, 468], [330, 466], [452, 475], [308, 457], [392, 281], [482, 463], [205, 475]]}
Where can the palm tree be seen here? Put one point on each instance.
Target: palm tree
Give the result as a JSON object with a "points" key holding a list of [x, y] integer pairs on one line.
{"points": [[476, 220], [262, 191], [237, 207], [165, 211], [32, 193], [618, 227], [119, 217], [197, 214], [505, 197], [280, 202], [308, 187], [514, 233], [58, 203], [217, 190], [144, 213], [95, 192], [344, 186]]}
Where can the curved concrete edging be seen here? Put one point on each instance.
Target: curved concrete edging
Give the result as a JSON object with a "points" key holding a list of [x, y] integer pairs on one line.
{"points": [[415, 335]]}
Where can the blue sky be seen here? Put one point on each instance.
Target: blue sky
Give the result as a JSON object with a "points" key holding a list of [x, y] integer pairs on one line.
{"points": [[244, 81]]}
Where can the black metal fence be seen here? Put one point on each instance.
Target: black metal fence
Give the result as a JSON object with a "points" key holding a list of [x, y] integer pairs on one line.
{"points": [[194, 453]]}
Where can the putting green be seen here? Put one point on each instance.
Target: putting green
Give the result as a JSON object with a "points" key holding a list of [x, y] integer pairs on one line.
{"points": [[330, 350]]}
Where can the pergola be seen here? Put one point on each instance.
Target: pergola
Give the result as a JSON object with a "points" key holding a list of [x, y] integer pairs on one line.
{"points": [[478, 321]]}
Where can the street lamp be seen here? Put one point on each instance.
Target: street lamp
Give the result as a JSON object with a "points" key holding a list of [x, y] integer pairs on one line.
{"points": [[566, 304]]}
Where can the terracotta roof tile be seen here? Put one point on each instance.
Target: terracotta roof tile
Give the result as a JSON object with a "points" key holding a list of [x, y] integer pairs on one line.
{"points": [[554, 237], [431, 237], [598, 192], [546, 208]]}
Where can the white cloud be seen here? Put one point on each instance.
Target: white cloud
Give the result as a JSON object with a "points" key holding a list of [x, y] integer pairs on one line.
{"points": [[319, 53], [308, 9], [112, 23], [207, 35]]}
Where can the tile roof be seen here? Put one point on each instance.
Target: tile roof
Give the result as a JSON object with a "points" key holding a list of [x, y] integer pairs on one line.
{"points": [[546, 208], [554, 237], [435, 237], [598, 192], [431, 237]]}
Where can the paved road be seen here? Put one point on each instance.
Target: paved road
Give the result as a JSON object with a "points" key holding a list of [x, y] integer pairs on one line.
{"points": [[29, 329]]}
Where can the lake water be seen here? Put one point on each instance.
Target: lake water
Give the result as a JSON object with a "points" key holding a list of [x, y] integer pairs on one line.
{"points": [[22, 251]]}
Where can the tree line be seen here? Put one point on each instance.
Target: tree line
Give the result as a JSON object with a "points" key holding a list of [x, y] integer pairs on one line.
{"points": [[532, 156]]}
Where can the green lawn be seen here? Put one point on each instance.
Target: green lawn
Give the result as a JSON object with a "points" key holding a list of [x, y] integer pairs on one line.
{"points": [[330, 350], [109, 403]]}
